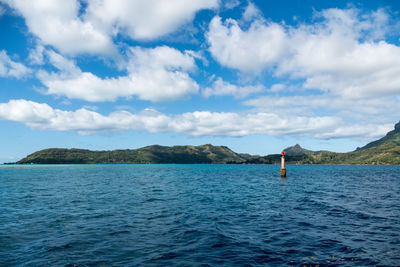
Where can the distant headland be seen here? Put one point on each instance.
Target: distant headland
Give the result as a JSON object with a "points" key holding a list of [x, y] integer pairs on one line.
{"points": [[383, 151]]}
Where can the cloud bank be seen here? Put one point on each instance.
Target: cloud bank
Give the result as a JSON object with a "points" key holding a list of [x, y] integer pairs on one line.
{"points": [[198, 123]]}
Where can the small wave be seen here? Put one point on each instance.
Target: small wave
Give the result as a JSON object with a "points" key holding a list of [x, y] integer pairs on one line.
{"points": [[57, 248]]}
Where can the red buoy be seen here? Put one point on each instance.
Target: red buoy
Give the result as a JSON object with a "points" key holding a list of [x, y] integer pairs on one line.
{"points": [[283, 169]]}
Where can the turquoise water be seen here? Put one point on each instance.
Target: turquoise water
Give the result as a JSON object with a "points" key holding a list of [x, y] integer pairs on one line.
{"points": [[190, 215]]}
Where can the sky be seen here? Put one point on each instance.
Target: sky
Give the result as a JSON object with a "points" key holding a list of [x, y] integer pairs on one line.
{"points": [[256, 76]]}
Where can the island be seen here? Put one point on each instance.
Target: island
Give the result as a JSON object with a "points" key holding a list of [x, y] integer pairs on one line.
{"points": [[383, 151]]}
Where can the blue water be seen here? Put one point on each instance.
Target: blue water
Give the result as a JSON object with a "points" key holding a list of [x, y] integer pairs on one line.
{"points": [[190, 215]]}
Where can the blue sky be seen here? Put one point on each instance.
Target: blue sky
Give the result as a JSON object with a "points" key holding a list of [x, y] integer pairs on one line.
{"points": [[256, 76]]}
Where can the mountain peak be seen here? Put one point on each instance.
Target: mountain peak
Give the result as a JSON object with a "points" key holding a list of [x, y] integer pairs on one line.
{"points": [[395, 131], [397, 127], [296, 146], [296, 150]]}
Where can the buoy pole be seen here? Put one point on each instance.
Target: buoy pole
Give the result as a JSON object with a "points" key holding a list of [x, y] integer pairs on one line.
{"points": [[283, 169]]}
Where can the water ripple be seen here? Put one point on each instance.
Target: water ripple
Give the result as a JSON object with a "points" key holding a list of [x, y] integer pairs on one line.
{"points": [[192, 215]]}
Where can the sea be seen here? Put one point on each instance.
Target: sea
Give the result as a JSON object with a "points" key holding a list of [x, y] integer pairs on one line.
{"points": [[199, 215]]}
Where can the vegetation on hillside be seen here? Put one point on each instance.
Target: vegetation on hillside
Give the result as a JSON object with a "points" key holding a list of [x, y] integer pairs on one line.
{"points": [[383, 151], [145, 155]]}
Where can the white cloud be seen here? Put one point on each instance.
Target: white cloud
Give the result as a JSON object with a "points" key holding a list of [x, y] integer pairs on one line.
{"points": [[160, 57], [382, 111], [229, 4], [221, 87], [148, 19], [198, 123], [42, 116], [57, 23], [251, 12], [341, 64], [65, 65], [357, 131], [10, 68], [330, 56], [73, 28], [158, 74], [329, 102], [263, 44], [36, 55], [341, 53], [237, 124], [197, 55], [278, 87]]}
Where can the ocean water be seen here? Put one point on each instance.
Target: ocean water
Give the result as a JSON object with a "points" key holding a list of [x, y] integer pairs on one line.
{"points": [[192, 215]]}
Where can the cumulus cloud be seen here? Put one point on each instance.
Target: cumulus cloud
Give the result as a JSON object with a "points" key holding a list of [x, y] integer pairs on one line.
{"points": [[158, 74], [57, 23], [332, 56], [221, 87], [10, 68], [341, 65], [341, 52], [263, 44], [73, 28], [198, 123], [144, 19]]}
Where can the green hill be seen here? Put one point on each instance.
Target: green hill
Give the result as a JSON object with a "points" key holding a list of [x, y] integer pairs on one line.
{"points": [[149, 154], [297, 150], [383, 151]]}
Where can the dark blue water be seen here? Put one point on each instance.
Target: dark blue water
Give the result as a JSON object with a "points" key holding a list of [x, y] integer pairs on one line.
{"points": [[190, 215]]}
